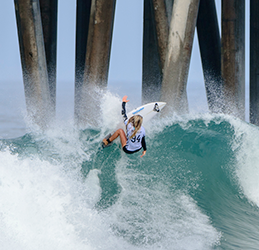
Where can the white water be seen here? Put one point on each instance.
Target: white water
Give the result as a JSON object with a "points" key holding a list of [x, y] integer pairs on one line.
{"points": [[247, 171], [47, 204]]}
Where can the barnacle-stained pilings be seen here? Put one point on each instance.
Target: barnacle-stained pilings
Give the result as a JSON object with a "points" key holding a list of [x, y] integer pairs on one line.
{"points": [[96, 60], [34, 66], [179, 48], [254, 62], [83, 12], [210, 50], [49, 15], [233, 56], [152, 68]]}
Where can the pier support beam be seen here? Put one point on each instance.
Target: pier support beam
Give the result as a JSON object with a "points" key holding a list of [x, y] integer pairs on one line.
{"points": [[35, 76], [178, 56], [162, 22], [233, 56], [151, 71], [168, 7], [49, 15], [99, 42], [210, 49], [254, 62], [97, 59], [155, 38], [82, 27]]}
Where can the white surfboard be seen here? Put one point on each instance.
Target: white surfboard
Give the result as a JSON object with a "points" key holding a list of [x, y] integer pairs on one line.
{"points": [[147, 111]]}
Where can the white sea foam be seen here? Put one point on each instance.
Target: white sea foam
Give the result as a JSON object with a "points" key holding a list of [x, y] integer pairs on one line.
{"points": [[155, 217], [46, 206], [246, 146]]}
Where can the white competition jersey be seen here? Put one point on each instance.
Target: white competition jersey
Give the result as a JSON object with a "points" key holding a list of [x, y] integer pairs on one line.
{"points": [[135, 142]]}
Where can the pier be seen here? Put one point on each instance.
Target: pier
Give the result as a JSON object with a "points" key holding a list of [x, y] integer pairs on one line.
{"points": [[168, 33]]}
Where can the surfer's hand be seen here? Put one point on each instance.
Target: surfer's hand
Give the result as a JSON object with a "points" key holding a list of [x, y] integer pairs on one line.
{"points": [[124, 99], [144, 152]]}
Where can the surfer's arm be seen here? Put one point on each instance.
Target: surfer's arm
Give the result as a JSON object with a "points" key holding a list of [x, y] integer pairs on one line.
{"points": [[143, 143], [123, 111], [144, 146]]}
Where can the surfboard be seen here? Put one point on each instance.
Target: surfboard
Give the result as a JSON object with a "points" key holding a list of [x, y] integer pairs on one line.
{"points": [[147, 111]]}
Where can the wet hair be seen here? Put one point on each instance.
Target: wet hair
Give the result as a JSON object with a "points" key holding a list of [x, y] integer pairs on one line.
{"points": [[136, 121]]}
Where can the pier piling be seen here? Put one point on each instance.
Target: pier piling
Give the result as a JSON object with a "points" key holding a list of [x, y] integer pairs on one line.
{"points": [[152, 68], [254, 62], [162, 22], [233, 56], [83, 12], [33, 59], [180, 40], [210, 50], [96, 60], [49, 13], [99, 42]]}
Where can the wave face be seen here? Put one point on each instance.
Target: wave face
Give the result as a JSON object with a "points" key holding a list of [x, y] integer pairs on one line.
{"points": [[196, 188]]}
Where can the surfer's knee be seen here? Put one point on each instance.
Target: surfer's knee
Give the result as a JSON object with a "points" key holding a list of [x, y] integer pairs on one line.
{"points": [[120, 131], [123, 137]]}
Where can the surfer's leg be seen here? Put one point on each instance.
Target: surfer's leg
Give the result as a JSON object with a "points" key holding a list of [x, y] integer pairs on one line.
{"points": [[120, 132]]}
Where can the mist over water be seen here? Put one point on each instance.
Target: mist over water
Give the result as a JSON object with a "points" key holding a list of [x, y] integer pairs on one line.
{"points": [[196, 188]]}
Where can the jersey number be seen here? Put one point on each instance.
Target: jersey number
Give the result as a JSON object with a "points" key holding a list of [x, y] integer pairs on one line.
{"points": [[134, 139]]}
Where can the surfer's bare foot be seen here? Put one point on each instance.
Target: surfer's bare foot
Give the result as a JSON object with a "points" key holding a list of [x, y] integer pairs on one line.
{"points": [[105, 142]]}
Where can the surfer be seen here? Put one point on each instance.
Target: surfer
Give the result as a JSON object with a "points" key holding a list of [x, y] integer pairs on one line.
{"points": [[135, 139]]}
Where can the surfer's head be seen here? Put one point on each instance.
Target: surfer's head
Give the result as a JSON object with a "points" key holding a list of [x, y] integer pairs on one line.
{"points": [[136, 121]]}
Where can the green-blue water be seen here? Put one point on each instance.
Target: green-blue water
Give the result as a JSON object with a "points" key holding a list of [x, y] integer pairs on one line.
{"points": [[196, 188]]}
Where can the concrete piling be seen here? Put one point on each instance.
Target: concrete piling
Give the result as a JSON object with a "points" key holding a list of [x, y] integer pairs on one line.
{"points": [[233, 56], [210, 50], [254, 62], [152, 70], [99, 42], [168, 7], [83, 12], [34, 66], [97, 59], [157, 15], [49, 14], [175, 74], [162, 22]]}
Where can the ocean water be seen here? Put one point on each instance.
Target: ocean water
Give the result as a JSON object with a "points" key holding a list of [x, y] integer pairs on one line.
{"points": [[196, 188]]}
